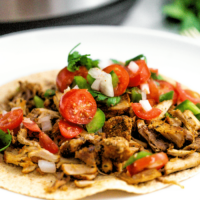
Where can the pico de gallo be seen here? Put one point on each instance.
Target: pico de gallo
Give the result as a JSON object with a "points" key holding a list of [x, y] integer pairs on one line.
{"points": [[123, 119]]}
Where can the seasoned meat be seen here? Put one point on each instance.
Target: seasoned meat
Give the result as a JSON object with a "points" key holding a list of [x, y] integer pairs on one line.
{"points": [[144, 176], [22, 138], [86, 176], [19, 102], [172, 133], [67, 161], [194, 146], [191, 132], [155, 142], [77, 169], [106, 165], [179, 164], [192, 121], [120, 109], [58, 184], [83, 184], [87, 155], [164, 107], [117, 149], [118, 126], [178, 153], [173, 121]]}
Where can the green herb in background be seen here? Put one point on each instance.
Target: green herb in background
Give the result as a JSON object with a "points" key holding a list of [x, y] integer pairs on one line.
{"points": [[187, 11], [5, 139]]}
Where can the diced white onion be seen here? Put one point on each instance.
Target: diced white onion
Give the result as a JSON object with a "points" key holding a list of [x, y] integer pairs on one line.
{"points": [[45, 123], [4, 112], [46, 166], [145, 105], [145, 88], [144, 95], [15, 108], [67, 89], [133, 66], [106, 86], [97, 73], [76, 87], [96, 84]]}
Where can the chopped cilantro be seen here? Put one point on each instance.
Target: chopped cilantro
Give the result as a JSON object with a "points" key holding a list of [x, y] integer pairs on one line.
{"points": [[156, 77], [5, 139], [75, 60], [139, 57]]}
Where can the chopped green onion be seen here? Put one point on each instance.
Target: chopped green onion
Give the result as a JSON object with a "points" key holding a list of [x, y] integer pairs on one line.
{"points": [[49, 93], [188, 105], [136, 95], [39, 103], [5, 139], [166, 96], [139, 57], [135, 157]]}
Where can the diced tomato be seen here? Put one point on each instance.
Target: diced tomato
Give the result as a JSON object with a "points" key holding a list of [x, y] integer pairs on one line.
{"points": [[154, 91], [157, 161], [187, 94], [47, 143], [68, 129], [78, 106], [65, 77], [11, 120], [31, 125], [165, 87], [141, 76], [152, 102], [122, 75], [141, 113], [154, 71]]}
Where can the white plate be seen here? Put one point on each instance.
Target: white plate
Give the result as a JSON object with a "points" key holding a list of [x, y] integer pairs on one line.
{"points": [[46, 49]]}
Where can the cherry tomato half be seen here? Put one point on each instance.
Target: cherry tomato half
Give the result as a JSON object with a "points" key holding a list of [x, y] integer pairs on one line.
{"points": [[11, 120], [47, 143], [122, 76], [187, 94], [68, 129], [141, 76], [78, 106], [65, 77], [157, 161], [141, 113], [31, 125], [154, 91]]}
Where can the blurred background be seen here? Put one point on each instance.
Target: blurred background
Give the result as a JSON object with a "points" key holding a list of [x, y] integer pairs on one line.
{"points": [[177, 16]]}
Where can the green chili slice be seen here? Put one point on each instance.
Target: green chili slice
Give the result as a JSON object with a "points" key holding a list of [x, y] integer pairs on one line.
{"points": [[39, 103], [49, 93], [166, 96], [136, 95]]}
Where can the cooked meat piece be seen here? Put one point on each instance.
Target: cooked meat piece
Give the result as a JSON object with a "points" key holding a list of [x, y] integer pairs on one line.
{"points": [[20, 159], [173, 121], [49, 104], [139, 142], [56, 99], [178, 153], [38, 113], [86, 176], [77, 169], [22, 138], [118, 167], [155, 142], [194, 146], [44, 154], [172, 133], [67, 161], [118, 126], [120, 109], [179, 164], [181, 116], [21, 103], [191, 120], [55, 186], [164, 107], [117, 149], [90, 138], [87, 155], [144, 176], [106, 165], [83, 184]]}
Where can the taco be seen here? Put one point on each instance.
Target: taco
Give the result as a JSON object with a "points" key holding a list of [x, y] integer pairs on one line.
{"points": [[125, 127]]}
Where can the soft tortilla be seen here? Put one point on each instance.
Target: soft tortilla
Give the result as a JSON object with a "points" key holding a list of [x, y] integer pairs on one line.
{"points": [[33, 184]]}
